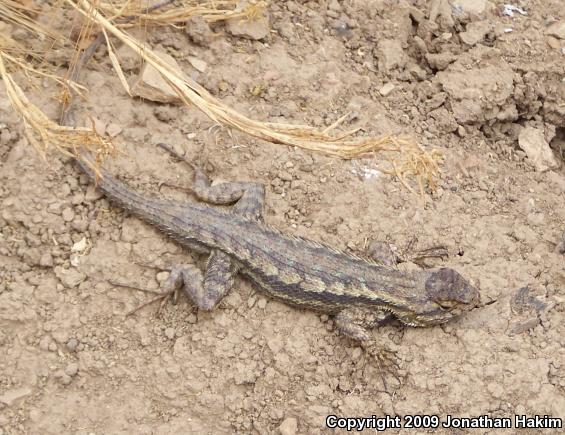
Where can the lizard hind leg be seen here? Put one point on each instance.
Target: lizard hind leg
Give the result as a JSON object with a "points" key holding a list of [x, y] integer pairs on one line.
{"points": [[204, 291], [207, 291]]}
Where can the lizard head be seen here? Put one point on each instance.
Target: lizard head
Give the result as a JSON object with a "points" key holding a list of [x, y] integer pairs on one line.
{"points": [[447, 295]]}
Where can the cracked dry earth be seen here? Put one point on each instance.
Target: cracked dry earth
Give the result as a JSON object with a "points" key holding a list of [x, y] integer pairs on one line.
{"points": [[458, 80]]}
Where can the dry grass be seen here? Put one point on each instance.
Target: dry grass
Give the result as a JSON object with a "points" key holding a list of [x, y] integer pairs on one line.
{"points": [[42, 132], [408, 160]]}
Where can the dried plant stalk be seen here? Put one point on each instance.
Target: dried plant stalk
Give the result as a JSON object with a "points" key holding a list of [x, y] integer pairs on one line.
{"points": [[42, 132]]}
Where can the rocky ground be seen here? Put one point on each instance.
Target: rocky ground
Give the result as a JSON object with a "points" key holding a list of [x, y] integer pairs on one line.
{"points": [[484, 87]]}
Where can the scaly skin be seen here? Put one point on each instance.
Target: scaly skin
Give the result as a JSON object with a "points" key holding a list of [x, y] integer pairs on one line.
{"points": [[298, 271]]}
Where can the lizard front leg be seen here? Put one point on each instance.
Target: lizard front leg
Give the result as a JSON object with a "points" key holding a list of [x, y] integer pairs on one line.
{"points": [[354, 323]]}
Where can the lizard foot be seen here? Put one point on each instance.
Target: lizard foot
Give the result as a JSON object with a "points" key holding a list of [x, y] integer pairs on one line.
{"points": [[162, 296], [388, 364]]}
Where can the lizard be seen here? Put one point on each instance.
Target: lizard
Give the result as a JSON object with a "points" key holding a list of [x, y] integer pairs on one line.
{"points": [[359, 293]]}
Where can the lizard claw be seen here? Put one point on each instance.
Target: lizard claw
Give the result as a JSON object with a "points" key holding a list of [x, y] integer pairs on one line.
{"points": [[388, 364], [163, 296]]}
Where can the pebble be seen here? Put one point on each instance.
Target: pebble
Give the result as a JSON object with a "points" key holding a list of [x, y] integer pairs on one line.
{"points": [[77, 199], [561, 245], [199, 31], [44, 342], [255, 29], [170, 333], [285, 175], [161, 277], [68, 214], [386, 89], [71, 369], [70, 278], [251, 301], [532, 141], [92, 193], [46, 260], [52, 347], [113, 130], [80, 225], [289, 426], [55, 207], [63, 377], [557, 29], [536, 219], [524, 325], [262, 303], [356, 354], [9, 397], [72, 344]]}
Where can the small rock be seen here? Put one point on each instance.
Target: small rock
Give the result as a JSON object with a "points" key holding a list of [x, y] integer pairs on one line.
{"points": [[198, 64], [262, 303], [44, 342], [192, 318], [145, 339], [198, 31], [390, 55], [12, 396], [476, 7], [250, 28], [34, 415], [5, 137], [536, 219], [72, 344], [99, 126], [533, 142], [556, 29], [440, 12], [285, 175], [92, 193], [113, 130], [475, 32], [149, 84], [553, 42], [334, 5], [72, 369], [70, 278], [524, 325], [165, 113], [386, 89], [289, 426], [46, 260], [68, 214], [52, 347], [440, 61], [561, 245], [55, 207], [162, 276], [63, 377], [356, 354], [170, 333], [80, 246], [80, 225]]}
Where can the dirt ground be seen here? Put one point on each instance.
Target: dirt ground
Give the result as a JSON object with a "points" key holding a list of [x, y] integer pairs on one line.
{"points": [[465, 79]]}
